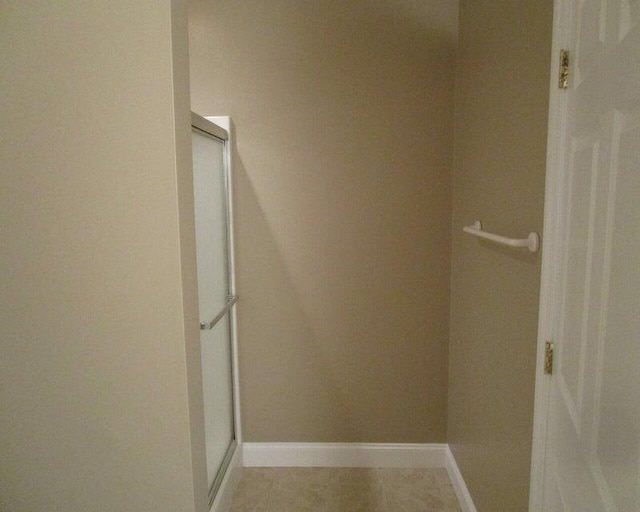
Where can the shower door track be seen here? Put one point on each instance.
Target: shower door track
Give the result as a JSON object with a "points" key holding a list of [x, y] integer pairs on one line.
{"points": [[217, 482]]}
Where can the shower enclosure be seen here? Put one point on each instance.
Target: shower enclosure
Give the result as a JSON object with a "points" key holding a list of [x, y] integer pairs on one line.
{"points": [[216, 292]]}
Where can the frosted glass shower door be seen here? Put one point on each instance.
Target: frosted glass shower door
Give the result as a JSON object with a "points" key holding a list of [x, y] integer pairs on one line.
{"points": [[215, 301]]}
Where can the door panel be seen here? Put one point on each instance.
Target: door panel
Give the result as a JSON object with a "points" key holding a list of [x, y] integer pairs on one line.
{"points": [[211, 224], [218, 397], [618, 421], [212, 254], [592, 457]]}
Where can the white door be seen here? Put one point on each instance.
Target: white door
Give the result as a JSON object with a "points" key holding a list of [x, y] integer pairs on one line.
{"points": [[587, 446], [214, 297]]}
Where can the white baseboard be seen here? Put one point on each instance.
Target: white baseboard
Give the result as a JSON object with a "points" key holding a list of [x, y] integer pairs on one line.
{"points": [[222, 501], [459, 485], [359, 455]]}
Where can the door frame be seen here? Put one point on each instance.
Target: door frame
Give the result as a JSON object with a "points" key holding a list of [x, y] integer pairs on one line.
{"points": [[225, 123], [553, 207]]}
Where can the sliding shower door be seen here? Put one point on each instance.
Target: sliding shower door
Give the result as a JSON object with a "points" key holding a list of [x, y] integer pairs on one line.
{"points": [[215, 294]]}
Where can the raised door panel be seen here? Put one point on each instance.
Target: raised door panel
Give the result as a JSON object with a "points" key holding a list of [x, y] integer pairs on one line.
{"points": [[593, 445]]}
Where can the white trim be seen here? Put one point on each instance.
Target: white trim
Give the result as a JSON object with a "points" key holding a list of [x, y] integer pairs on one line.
{"points": [[209, 127], [459, 485], [552, 210], [224, 496], [361, 455]]}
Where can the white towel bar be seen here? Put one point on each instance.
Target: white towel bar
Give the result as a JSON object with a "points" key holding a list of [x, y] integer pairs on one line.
{"points": [[532, 242]]}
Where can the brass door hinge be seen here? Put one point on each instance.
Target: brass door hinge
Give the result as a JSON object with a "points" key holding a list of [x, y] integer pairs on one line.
{"points": [[548, 358], [563, 77]]}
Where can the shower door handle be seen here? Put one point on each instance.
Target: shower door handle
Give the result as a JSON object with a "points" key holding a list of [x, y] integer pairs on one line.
{"points": [[207, 326]]}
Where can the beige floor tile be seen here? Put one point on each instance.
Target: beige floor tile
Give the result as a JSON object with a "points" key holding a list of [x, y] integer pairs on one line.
{"points": [[357, 476], [356, 490], [344, 490], [297, 497], [309, 477], [422, 477], [416, 500], [254, 489], [356, 498]]}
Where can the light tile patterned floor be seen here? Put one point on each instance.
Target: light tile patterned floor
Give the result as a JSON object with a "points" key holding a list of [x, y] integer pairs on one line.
{"points": [[344, 490]]}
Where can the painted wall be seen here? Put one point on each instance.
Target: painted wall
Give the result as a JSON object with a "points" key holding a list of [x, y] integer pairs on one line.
{"points": [[502, 87], [343, 115], [99, 339]]}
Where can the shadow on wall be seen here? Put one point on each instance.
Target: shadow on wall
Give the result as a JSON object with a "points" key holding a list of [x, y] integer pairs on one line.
{"points": [[343, 113], [278, 309]]}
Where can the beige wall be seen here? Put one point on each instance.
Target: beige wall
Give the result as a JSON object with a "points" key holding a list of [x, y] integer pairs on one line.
{"points": [[97, 302], [501, 117], [343, 112]]}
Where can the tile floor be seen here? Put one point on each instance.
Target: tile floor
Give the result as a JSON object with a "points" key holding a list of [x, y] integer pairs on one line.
{"points": [[344, 490]]}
